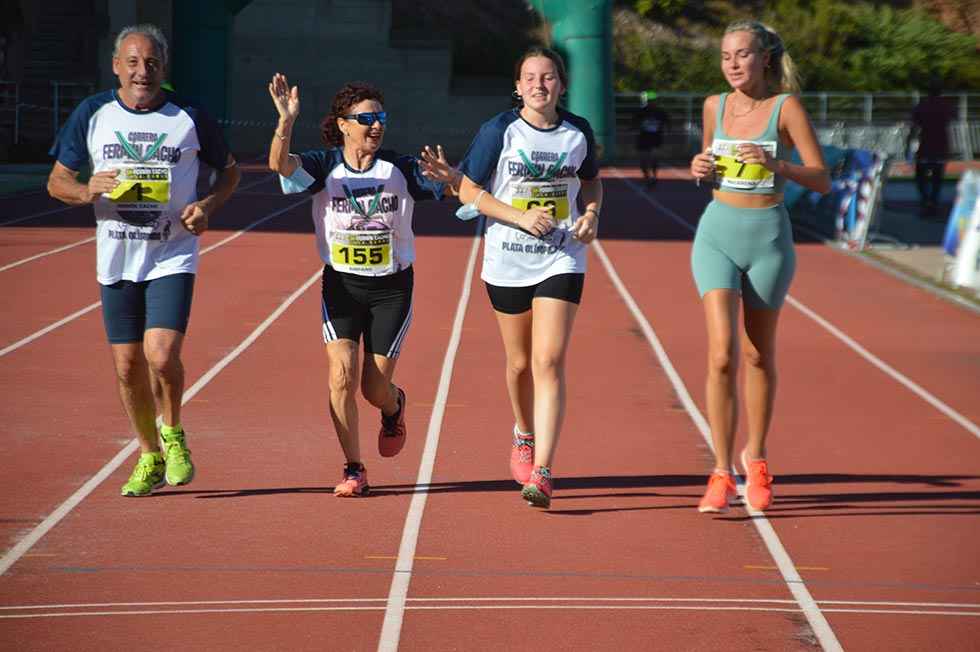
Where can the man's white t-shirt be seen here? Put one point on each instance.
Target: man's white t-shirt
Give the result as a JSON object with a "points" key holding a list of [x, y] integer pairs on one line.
{"points": [[139, 236]]}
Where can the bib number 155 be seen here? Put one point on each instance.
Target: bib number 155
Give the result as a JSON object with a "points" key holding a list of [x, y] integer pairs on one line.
{"points": [[353, 255]]}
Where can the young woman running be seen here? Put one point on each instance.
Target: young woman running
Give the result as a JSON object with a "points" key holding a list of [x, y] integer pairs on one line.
{"points": [[363, 200], [526, 170], [744, 243]]}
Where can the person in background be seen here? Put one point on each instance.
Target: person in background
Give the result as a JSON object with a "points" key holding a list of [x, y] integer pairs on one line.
{"points": [[931, 118], [650, 123]]}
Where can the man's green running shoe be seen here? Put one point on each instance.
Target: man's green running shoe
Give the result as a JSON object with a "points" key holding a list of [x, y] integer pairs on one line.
{"points": [[147, 476], [180, 469]]}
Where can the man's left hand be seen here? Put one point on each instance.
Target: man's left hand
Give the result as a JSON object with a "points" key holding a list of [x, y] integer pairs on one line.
{"points": [[194, 218]]}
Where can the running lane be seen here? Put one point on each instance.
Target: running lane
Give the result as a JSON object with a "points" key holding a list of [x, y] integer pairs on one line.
{"points": [[622, 560], [256, 552], [60, 402], [877, 491]]}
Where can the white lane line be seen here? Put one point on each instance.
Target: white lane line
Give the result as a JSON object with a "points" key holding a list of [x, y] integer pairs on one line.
{"points": [[42, 214], [47, 329], [907, 612], [63, 510], [17, 263], [821, 628], [186, 603], [75, 315], [479, 599], [46, 253], [153, 612], [932, 288], [475, 607], [898, 376], [398, 592]]}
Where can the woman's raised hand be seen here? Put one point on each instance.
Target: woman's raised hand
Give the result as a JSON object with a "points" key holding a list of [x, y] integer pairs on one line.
{"points": [[434, 165], [285, 98]]}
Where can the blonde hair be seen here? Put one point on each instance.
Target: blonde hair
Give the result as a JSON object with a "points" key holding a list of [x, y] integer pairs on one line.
{"points": [[781, 74]]}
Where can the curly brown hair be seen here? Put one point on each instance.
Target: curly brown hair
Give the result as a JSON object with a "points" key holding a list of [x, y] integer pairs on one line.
{"points": [[349, 94]]}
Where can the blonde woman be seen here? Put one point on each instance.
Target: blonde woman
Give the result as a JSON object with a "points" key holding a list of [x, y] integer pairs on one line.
{"points": [[743, 249]]}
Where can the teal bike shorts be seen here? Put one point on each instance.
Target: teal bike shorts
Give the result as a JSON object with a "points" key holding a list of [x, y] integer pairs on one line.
{"points": [[749, 250]]}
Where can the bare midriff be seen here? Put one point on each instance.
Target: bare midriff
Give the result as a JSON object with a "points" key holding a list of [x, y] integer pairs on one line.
{"points": [[746, 200]]}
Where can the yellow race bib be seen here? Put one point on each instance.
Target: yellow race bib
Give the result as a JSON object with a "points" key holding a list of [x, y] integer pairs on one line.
{"points": [[552, 197], [361, 252], [142, 187], [735, 175]]}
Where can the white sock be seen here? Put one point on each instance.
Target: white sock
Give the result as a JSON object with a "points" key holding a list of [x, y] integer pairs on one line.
{"points": [[525, 435]]}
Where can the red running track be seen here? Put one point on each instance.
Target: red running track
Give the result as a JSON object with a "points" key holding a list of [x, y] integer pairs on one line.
{"points": [[870, 545]]}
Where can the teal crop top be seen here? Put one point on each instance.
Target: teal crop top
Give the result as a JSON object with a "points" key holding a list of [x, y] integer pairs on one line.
{"points": [[733, 176]]}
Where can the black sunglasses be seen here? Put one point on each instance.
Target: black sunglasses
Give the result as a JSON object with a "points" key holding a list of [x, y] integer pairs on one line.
{"points": [[367, 119]]}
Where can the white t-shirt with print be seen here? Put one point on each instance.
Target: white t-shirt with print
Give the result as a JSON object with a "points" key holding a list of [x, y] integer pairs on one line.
{"points": [[524, 166], [139, 235]]}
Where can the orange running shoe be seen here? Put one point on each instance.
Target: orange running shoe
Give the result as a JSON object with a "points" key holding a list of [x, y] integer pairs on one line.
{"points": [[758, 483], [537, 489], [391, 437], [521, 457], [720, 492], [355, 482]]}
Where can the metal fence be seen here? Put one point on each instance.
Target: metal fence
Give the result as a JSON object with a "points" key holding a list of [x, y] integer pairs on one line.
{"points": [[65, 96], [10, 108], [877, 121]]}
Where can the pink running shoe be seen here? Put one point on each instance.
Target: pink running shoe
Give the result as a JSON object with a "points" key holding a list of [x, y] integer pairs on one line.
{"points": [[720, 492], [758, 483], [355, 482], [537, 489], [521, 457], [391, 438]]}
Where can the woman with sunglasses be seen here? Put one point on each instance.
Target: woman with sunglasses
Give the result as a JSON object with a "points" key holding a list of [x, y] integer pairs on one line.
{"points": [[743, 248], [526, 170], [363, 199]]}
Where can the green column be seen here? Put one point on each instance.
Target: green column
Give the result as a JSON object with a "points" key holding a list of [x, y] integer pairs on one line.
{"points": [[199, 53], [582, 32]]}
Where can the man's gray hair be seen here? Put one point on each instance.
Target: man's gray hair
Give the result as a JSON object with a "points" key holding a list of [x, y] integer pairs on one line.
{"points": [[151, 32]]}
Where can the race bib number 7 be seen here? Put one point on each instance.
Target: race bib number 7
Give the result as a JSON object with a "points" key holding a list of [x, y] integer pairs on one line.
{"points": [[552, 197], [142, 188], [735, 174]]}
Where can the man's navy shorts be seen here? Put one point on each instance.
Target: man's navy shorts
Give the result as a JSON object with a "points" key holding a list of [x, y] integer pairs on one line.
{"points": [[130, 308]]}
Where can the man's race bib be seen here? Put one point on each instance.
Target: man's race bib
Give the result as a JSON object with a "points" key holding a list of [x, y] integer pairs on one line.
{"points": [[736, 175], [550, 196], [141, 187], [361, 252]]}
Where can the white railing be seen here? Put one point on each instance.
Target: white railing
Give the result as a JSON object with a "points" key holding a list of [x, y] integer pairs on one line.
{"points": [[877, 121]]}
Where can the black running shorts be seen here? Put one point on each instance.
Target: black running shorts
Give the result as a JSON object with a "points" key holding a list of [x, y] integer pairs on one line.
{"points": [[515, 300], [377, 307]]}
